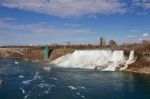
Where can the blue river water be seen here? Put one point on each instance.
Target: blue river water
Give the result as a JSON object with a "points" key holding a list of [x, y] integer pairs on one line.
{"points": [[27, 80]]}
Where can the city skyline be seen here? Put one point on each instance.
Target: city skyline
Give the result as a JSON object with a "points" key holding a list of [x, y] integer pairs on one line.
{"points": [[74, 21]]}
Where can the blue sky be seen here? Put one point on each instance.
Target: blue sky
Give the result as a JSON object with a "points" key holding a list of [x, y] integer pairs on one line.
{"points": [[75, 21]]}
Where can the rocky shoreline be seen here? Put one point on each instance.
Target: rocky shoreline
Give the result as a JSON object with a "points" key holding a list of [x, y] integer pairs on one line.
{"points": [[141, 70]]}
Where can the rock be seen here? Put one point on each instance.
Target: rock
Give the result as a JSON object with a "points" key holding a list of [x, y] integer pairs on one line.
{"points": [[1, 82]]}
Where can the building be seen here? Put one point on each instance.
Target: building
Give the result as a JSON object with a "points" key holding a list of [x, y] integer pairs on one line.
{"points": [[66, 43], [102, 42], [112, 43], [146, 42]]}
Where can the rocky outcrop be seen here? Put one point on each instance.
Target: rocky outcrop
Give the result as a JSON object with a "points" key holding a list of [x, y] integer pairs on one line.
{"points": [[8, 54], [1, 82], [142, 64], [56, 53], [22, 53]]}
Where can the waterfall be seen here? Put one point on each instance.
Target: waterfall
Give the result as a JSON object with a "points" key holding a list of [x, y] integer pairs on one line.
{"points": [[116, 59], [131, 56], [105, 60], [130, 60]]}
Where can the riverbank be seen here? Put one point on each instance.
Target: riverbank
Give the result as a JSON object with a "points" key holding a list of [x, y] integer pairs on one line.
{"points": [[138, 69], [144, 70], [141, 65]]}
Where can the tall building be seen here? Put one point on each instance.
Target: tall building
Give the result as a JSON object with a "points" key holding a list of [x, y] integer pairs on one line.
{"points": [[112, 43], [102, 42]]}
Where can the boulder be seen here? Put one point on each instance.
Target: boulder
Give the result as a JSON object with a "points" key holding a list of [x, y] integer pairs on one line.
{"points": [[1, 82]]}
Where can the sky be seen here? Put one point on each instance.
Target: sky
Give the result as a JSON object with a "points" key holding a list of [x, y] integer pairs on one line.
{"points": [[24, 22]]}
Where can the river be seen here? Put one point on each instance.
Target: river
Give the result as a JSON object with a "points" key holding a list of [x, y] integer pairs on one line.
{"points": [[27, 80]]}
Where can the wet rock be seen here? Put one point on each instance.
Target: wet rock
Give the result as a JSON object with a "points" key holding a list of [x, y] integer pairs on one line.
{"points": [[1, 82]]}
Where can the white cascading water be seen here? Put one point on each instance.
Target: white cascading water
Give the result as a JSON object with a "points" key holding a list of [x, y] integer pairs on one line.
{"points": [[105, 60], [130, 60], [117, 58]]}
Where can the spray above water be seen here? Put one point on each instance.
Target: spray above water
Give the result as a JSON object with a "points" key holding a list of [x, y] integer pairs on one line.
{"points": [[105, 60]]}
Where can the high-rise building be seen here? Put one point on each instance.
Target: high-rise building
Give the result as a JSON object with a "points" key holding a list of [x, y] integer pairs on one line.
{"points": [[102, 42], [112, 43]]}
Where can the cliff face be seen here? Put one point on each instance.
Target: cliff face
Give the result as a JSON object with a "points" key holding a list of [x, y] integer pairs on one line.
{"points": [[56, 53], [3, 53], [21, 53], [8, 54], [142, 64]]}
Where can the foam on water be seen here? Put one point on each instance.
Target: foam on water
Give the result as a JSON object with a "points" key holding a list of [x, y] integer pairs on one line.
{"points": [[72, 88], [27, 81], [47, 88], [26, 96], [16, 62], [52, 78], [36, 76], [23, 91], [47, 68], [76, 90], [21, 76], [82, 87]]}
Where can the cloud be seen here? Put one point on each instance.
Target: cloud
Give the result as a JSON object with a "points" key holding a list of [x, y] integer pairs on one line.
{"points": [[137, 2], [142, 3], [41, 33], [93, 16], [145, 34], [134, 30], [9, 19], [64, 8], [131, 36], [147, 5], [5, 22], [72, 25]]}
